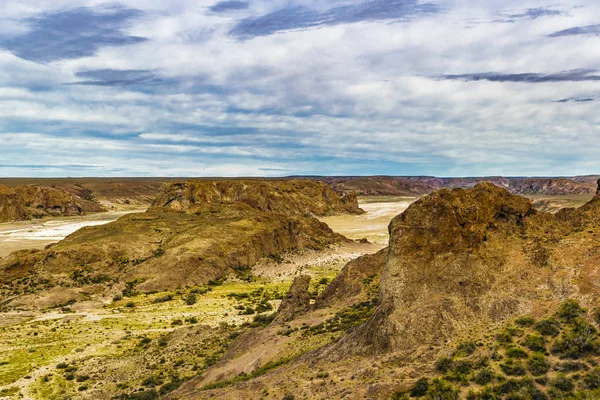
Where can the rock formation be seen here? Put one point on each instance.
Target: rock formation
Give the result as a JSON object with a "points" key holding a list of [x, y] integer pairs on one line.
{"points": [[280, 197], [296, 300], [194, 233], [27, 202]]}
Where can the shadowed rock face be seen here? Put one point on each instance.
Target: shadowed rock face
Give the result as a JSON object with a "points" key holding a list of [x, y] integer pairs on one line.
{"points": [[27, 202], [465, 257]]}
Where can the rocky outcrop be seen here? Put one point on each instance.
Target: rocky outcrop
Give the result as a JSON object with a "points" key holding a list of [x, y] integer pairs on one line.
{"points": [[27, 202], [461, 257], [293, 197], [296, 300], [350, 286]]}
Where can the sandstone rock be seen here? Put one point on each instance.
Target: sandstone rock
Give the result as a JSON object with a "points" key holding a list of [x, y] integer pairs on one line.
{"points": [[26, 202], [296, 300], [292, 197]]}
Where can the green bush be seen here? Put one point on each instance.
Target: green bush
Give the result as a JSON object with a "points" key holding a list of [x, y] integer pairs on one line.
{"points": [[548, 327], [444, 364], [441, 390], [538, 365], [420, 388], [524, 321], [465, 349], [484, 377], [513, 367], [563, 383], [535, 342], [592, 379], [164, 299], [516, 352], [504, 338], [190, 299], [569, 310], [579, 342]]}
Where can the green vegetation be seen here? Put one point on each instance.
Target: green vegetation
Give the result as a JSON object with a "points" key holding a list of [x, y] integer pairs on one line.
{"points": [[503, 369]]}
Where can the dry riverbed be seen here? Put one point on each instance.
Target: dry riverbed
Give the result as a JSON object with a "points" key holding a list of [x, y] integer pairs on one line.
{"points": [[37, 234]]}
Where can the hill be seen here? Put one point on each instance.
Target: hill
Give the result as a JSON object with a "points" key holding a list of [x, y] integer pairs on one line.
{"points": [[194, 233], [480, 296], [28, 202]]}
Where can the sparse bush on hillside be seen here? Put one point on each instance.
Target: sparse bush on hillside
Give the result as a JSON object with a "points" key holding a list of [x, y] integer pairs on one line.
{"points": [[190, 299], [535, 342], [420, 388], [548, 327], [442, 390], [525, 321], [465, 349], [537, 364], [569, 310]]}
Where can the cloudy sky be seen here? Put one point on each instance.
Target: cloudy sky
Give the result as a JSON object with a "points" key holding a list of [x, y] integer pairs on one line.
{"points": [[286, 87]]}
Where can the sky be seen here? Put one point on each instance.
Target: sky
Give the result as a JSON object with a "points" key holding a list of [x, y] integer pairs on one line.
{"points": [[299, 87]]}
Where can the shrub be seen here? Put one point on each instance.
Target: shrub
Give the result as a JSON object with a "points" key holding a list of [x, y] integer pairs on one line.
{"points": [[117, 297], [264, 306], [62, 365], [578, 342], [465, 349], [444, 364], [516, 352], [524, 321], [538, 365], [504, 338], [442, 390], [463, 367], [569, 310], [164, 299], [535, 342], [592, 379], [548, 327], [82, 378], [484, 377], [563, 383], [190, 299], [420, 388], [262, 320], [570, 366], [513, 367], [130, 304]]}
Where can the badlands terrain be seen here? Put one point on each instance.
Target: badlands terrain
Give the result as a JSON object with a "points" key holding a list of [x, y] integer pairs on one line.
{"points": [[297, 289]]}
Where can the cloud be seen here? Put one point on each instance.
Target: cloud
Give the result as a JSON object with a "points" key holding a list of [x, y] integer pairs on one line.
{"points": [[590, 30], [576, 100], [223, 6], [534, 13], [340, 89], [73, 33], [581, 75], [300, 17]]}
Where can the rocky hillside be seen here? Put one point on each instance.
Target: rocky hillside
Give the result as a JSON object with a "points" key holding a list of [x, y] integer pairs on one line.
{"points": [[480, 297], [280, 197], [195, 233], [418, 185], [27, 202], [111, 193]]}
